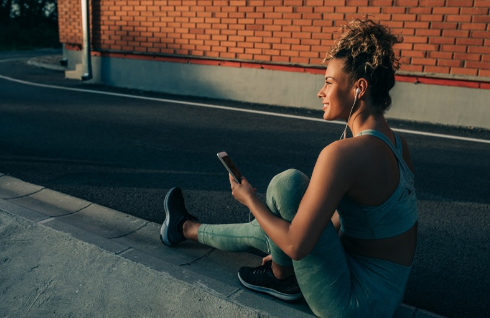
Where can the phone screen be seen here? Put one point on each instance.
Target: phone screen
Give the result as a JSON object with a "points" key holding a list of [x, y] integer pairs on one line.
{"points": [[230, 166]]}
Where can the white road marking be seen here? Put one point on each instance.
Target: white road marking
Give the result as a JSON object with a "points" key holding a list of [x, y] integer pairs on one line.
{"points": [[406, 131]]}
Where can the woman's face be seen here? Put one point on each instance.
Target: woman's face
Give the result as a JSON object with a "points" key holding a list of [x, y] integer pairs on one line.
{"points": [[337, 95]]}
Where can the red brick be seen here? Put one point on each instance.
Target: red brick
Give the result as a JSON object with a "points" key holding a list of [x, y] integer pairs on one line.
{"points": [[444, 25], [393, 10], [432, 3], [450, 63], [272, 52], [441, 55], [424, 61], [481, 19], [417, 25], [478, 65], [478, 42], [484, 73], [426, 47], [436, 69], [458, 18], [475, 11], [473, 26], [430, 18], [438, 40], [463, 71], [479, 49], [428, 32], [453, 48], [459, 3], [415, 39], [420, 10], [455, 33], [414, 54], [245, 56], [300, 60], [445, 10], [411, 68], [480, 34]]}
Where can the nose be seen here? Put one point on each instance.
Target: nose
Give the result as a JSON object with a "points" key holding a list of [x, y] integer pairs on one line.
{"points": [[321, 93]]}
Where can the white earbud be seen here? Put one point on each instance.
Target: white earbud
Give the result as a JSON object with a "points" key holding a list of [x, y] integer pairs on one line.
{"points": [[357, 92]]}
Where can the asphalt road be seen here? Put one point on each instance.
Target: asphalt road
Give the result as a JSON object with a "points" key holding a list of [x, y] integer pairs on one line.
{"points": [[125, 153]]}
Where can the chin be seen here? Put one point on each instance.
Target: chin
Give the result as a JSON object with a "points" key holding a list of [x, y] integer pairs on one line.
{"points": [[327, 117]]}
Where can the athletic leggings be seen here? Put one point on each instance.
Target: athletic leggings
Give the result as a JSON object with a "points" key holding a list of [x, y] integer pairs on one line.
{"points": [[334, 283]]}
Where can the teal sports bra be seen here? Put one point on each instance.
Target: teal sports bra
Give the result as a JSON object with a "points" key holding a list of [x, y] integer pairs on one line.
{"points": [[393, 217]]}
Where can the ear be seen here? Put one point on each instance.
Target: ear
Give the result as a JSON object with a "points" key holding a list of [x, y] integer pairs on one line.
{"points": [[362, 86]]}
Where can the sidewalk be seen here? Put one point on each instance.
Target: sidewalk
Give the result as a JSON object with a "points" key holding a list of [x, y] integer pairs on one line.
{"points": [[61, 256]]}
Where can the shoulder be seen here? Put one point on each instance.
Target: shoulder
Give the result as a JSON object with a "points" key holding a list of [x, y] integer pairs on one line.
{"points": [[406, 153], [342, 154]]}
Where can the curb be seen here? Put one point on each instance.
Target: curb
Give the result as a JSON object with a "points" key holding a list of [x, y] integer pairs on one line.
{"points": [[137, 240], [50, 62]]}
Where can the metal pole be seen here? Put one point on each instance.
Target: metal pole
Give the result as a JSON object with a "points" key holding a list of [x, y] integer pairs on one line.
{"points": [[86, 60]]}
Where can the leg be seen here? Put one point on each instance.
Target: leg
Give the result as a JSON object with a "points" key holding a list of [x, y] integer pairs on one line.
{"points": [[233, 237], [179, 225], [323, 275], [277, 278]]}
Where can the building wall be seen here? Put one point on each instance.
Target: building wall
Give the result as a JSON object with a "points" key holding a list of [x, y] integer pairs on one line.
{"points": [[440, 37], [443, 39]]}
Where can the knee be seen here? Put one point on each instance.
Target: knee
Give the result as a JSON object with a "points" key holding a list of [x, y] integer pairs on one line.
{"points": [[285, 192], [288, 180]]}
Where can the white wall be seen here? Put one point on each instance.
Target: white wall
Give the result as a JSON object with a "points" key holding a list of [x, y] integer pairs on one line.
{"points": [[456, 106]]}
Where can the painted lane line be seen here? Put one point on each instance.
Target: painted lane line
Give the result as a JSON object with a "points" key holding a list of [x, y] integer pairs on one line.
{"points": [[413, 132]]}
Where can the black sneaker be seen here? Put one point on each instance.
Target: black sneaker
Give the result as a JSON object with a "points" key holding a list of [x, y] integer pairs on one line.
{"points": [[262, 279], [175, 216]]}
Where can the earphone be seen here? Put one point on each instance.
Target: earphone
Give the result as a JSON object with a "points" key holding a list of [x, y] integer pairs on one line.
{"points": [[352, 108]]}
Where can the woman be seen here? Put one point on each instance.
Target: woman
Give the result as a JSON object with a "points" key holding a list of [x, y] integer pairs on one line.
{"points": [[345, 239]]}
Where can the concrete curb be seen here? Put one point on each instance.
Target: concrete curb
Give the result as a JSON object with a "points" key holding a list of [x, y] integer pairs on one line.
{"points": [[51, 62], [192, 270]]}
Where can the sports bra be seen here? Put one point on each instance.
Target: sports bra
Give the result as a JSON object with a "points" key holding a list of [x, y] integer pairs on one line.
{"points": [[393, 217]]}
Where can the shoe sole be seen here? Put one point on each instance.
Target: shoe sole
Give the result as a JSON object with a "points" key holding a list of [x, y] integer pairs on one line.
{"points": [[270, 291], [165, 224]]}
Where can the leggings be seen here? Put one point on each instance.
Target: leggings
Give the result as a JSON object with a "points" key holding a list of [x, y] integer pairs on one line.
{"points": [[334, 283]]}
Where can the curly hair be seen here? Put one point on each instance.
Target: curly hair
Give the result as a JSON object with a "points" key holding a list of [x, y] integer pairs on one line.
{"points": [[367, 50]]}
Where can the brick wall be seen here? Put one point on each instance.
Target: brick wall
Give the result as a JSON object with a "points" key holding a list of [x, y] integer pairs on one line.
{"points": [[442, 37]]}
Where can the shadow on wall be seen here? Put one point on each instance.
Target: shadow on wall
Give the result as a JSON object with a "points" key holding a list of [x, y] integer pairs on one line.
{"points": [[219, 82]]}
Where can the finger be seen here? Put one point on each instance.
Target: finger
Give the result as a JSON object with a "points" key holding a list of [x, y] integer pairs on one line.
{"points": [[266, 259]]}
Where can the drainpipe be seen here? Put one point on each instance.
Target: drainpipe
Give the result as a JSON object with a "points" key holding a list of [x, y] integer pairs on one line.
{"points": [[86, 60]]}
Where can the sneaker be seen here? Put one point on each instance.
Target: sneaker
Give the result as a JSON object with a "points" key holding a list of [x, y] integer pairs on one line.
{"points": [[175, 216], [262, 279]]}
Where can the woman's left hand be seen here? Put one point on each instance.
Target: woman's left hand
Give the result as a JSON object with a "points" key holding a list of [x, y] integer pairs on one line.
{"points": [[242, 192]]}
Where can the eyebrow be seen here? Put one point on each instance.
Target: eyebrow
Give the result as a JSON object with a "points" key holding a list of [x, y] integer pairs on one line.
{"points": [[327, 77]]}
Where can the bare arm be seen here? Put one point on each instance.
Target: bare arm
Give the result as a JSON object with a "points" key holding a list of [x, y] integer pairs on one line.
{"points": [[330, 180], [336, 221]]}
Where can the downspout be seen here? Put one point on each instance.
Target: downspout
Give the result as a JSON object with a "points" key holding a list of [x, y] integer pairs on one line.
{"points": [[86, 59]]}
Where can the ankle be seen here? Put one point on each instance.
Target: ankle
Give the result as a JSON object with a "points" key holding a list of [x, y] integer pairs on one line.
{"points": [[282, 272], [190, 229]]}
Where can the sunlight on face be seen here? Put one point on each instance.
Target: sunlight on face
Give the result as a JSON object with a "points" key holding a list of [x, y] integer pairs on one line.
{"points": [[336, 93]]}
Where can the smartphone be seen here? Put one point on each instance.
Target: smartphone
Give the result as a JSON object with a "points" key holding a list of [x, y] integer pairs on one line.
{"points": [[230, 166]]}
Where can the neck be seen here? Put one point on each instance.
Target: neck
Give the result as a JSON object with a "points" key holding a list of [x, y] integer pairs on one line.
{"points": [[364, 119]]}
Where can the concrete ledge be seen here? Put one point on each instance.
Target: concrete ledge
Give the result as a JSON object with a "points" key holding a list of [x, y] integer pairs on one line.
{"points": [[11, 188], [436, 104], [51, 203]]}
